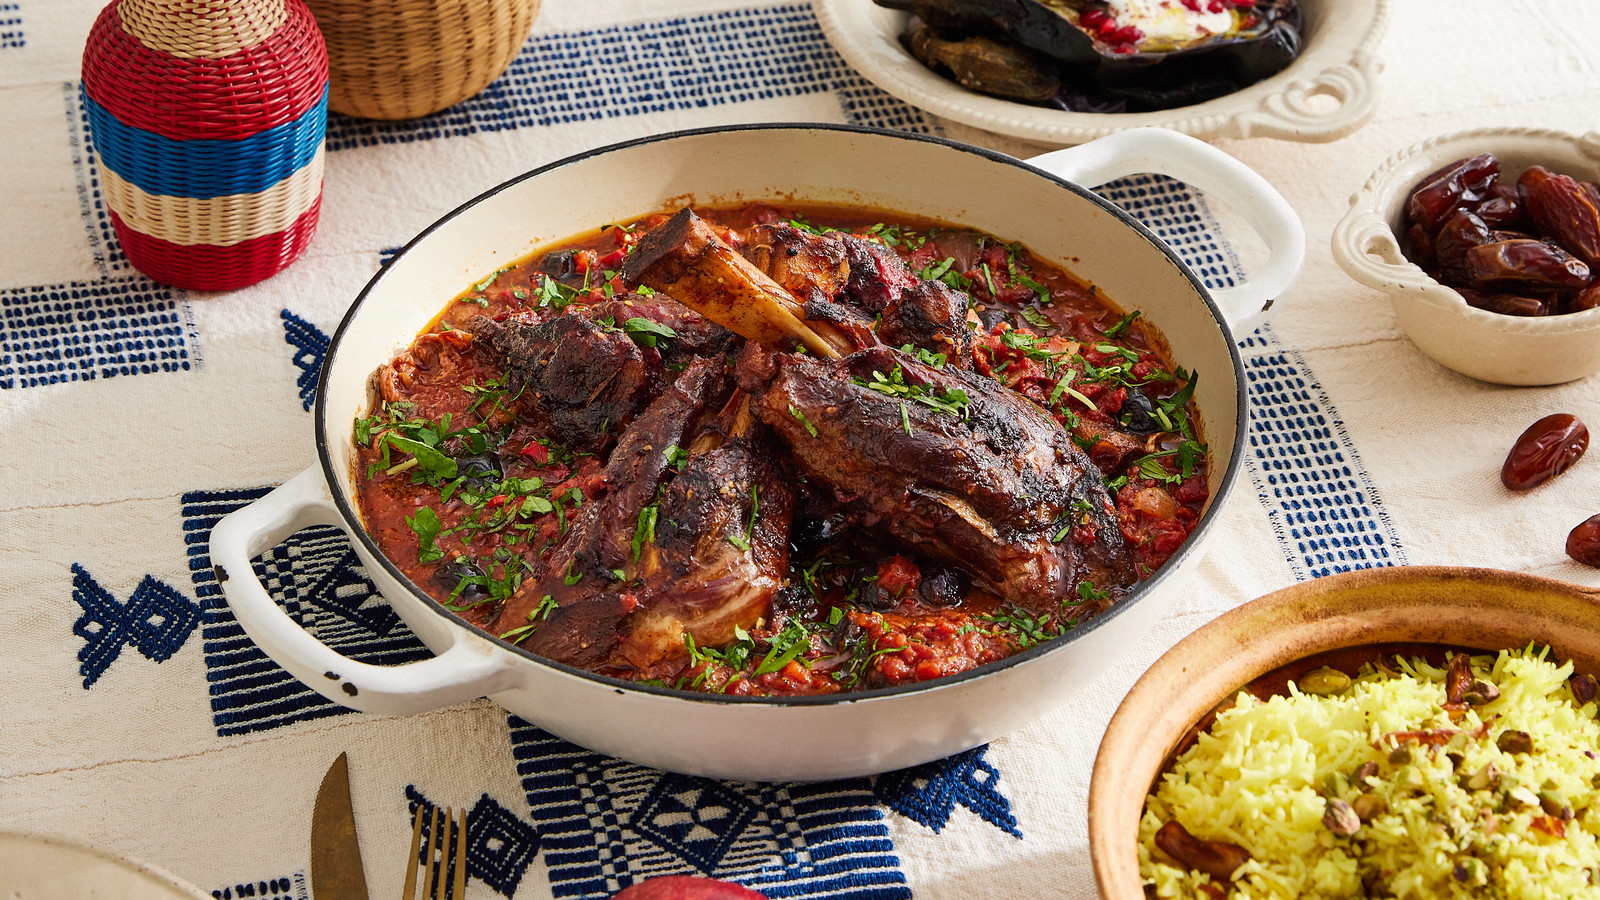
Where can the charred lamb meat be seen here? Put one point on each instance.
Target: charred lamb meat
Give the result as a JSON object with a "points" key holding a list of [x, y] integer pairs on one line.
{"points": [[692, 550], [796, 288], [582, 380], [716, 549], [578, 623], [949, 463]]}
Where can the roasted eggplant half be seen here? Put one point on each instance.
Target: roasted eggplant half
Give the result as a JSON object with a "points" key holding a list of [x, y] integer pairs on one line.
{"points": [[1126, 55]]}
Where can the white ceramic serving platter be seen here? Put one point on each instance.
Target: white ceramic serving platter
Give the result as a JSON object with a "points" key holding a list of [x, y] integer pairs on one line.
{"points": [[53, 867], [1328, 92]]}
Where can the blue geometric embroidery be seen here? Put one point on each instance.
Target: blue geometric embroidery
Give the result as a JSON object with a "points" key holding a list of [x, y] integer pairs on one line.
{"points": [[1169, 208], [1319, 498], [320, 582], [607, 824], [695, 819], [291, 887], [11, 35], [311, 347], [500, 846], [692, 62], [79, 332], [156, 621], [928, 794]]}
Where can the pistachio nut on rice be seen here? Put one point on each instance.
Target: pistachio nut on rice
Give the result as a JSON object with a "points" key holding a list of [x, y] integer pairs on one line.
{"points": [[1478, 779]]}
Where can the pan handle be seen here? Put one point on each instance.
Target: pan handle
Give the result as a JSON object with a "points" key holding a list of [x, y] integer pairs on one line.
{"points": [[465, 670], [1202, 166]]}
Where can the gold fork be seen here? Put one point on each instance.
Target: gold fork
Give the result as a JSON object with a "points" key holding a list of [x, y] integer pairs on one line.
{"points": [[441, 855]]}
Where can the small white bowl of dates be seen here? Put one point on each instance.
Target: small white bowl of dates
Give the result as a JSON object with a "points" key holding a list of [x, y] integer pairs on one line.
{"points": [[1488, 244]]}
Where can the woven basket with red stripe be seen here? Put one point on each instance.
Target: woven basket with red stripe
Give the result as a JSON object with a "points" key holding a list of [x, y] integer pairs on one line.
{"points": [[208, 117]]}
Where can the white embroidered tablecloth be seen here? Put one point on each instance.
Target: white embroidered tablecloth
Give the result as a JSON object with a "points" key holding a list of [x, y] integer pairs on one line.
{"points": [[137, 717]]}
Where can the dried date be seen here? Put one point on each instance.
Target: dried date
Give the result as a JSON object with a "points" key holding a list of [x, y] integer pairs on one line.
{"points": [[1502, 208], [1526, 264], [1218, 859], [1530, 179], [1505, 304], [1583, 543], [1463, 182], [1549, 447], [1588, 298], [1568, 214], [1461, 232], [1523, 247]]}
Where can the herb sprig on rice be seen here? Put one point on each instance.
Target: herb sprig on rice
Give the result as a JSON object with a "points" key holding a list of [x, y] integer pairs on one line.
{"points": [[1480, 779]]}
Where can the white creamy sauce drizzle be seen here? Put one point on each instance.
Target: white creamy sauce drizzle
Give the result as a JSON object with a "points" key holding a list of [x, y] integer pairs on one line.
{"points": [[1169, 21]]}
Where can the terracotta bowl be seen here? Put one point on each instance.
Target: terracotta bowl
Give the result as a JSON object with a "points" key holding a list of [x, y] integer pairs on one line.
{"points": [[1483, 609], [1503, 349]]}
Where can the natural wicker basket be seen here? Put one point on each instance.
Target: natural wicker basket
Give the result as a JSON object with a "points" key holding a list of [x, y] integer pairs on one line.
{"points": [[401, 59], [208, 119]]}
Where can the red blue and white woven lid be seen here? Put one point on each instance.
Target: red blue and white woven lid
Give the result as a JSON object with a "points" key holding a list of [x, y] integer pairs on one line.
{"points": [[208, 117]]}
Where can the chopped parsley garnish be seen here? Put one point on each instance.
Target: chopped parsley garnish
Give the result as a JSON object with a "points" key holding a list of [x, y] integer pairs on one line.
{"points": [[536, 616], [1115, 331], [944, 270], [676, 456], [646, 332], [896, 236], [926, 357], [644, 530], [953, 400], [427, 525], [484, 284], [804, 224], [804, 422]]}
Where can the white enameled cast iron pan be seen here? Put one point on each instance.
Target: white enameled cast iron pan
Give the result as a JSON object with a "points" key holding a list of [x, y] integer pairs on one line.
{"points": [[1041, 202]]}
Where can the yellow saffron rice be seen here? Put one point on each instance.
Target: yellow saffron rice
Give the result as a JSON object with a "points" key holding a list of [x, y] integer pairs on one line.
{"points": [[1481, 813]]}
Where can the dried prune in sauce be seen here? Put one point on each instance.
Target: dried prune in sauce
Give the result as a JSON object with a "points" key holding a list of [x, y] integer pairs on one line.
{"points": [[1583, 542], [463, 577], [1526, 264], [1546, 449], [1463, 182], [481, 471], [1567, 214], [1506, 304], [560, 265], [944, 588], [1138, 413]]}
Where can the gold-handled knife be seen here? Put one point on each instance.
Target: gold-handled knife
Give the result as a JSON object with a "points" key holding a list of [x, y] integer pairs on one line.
{"points": [[336, 872]]}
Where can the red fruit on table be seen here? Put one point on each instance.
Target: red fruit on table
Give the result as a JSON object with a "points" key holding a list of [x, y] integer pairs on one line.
{"points": [[686, 887]]}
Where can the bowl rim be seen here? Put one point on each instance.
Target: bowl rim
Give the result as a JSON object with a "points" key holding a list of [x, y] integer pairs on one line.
{"points": [[1367, 246], [1208, 517], [1347, 69], [1309, 617]]}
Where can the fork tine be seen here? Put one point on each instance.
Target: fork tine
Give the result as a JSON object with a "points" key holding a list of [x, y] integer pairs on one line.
{"points": [[445, 866], [461, 858], [416, 847], [436, 856]]}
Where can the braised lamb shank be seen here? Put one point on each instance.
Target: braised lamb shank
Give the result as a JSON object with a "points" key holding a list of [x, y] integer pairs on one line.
{"points": [[948, 462]]}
